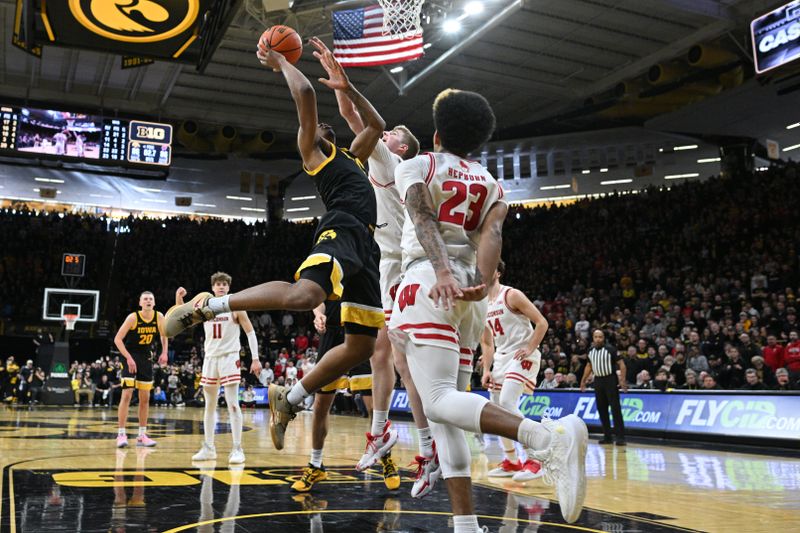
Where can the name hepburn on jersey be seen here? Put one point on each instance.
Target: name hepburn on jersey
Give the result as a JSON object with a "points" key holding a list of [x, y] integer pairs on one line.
{"points": [[459, 175]]}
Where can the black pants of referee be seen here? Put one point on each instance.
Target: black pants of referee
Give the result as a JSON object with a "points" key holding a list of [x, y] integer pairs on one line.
{"points": [[606, 394]]}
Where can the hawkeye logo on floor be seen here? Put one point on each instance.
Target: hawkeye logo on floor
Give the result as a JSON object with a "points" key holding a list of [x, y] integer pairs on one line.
{"points": [[136, 21]]}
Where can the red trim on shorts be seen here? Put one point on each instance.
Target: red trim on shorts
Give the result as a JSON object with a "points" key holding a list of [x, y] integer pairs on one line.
{"points": [[435, 336], [519, 377], [428, 325], [432, 169]]}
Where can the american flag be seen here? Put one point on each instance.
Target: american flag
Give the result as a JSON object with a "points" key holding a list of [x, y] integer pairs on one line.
{"points": [[358, 39]]}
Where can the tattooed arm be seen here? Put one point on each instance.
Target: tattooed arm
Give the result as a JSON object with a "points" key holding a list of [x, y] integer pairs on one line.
{"points": [[420, 208]]}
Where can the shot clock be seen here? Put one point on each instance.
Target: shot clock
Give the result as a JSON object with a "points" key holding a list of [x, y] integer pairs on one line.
{"points": [[73, 265]]}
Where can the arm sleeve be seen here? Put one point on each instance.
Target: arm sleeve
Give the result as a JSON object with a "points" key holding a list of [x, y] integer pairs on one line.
{"points": [[412, 171], [382, 164], [252, 342]]}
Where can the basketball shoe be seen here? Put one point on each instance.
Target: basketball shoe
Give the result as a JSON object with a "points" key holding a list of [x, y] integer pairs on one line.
{"points": [[122, 441], [236, 457], [206, 453], [377, 446], [281, 413], [391, 476], [530, 470], [145, 441], [506, 469], [311, 475], [564, 463], [428, 473], [184, 316]]}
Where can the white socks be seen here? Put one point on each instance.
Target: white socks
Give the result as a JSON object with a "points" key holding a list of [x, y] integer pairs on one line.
{"points": [[297, 394], [121, 431], [510, 451], [466, 524], [142, 431], [425, 442], [316, 458], [379, 419], [220, 304], [533, 435]]}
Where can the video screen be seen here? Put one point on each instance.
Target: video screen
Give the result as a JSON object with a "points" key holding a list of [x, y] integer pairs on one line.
{"points": [[59, 133]]}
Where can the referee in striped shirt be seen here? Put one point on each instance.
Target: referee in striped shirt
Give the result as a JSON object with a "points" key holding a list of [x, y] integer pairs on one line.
{"points": [[602, 359]]}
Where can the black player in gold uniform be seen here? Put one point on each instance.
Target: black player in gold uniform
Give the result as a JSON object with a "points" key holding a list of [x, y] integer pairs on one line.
{"points": [[136, 341], [343, 263]]}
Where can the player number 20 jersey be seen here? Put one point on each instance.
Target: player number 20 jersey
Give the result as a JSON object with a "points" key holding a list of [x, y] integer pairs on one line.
{"points": [[511, 330], [462, 192], [222, 335]]}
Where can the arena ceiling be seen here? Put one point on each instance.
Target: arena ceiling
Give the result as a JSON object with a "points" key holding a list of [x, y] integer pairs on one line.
{"points": [[542, 57]]}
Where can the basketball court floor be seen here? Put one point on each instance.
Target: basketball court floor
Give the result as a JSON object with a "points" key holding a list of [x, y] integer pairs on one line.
{"points": [[61, 472]]}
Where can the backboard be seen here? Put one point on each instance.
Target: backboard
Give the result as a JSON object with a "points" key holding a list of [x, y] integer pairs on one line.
{"points": [[58, 302]]}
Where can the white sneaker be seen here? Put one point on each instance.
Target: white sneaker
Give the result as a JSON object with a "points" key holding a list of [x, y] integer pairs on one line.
{"points": [[506, 469], [237, 456], [564, 463], [428, 473], [206, 453], [377, 446], [530, 470]]}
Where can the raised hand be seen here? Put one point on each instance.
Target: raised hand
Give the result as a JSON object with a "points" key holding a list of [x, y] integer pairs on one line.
{"points": [[337, 77], [270, 58]]}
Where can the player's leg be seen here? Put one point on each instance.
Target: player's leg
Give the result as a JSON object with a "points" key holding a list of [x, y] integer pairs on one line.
{"points": [[122, 415], [143, 388], [521, 377], [315, 471], [208, 451], [235, 419], [511, 463]]}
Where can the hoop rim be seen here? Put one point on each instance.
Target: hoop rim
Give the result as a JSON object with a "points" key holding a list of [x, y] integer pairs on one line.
{"points": [[70, 319]]}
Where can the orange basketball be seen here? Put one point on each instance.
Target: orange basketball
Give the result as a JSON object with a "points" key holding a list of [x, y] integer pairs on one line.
{"points": [[285, 40]]}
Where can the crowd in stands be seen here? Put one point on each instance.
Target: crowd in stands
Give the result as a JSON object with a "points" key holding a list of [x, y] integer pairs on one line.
{"points": [[696, 286]]}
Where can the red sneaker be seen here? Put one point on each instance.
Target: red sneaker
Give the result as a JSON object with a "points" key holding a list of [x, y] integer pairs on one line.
{"points": [[530, 470], [377, 446], [506, 469]]}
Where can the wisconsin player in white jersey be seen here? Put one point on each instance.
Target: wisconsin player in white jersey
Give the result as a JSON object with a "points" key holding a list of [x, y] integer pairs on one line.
{"points": [[452, 236], [397, 145], [221, 368], [511, 360]]}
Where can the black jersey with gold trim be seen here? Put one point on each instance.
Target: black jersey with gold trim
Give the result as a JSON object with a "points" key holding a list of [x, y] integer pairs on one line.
{"points": [[343, 185], [143, 336]]}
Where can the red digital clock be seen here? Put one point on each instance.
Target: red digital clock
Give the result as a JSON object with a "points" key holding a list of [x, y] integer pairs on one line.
{"points": [[73, 265]]}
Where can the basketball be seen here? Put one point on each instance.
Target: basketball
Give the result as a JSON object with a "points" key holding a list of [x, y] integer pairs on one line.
{"points": [[285, 40]]}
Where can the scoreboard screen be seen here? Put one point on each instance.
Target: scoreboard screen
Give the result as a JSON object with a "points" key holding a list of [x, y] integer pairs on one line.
{"points": [[776, 37], [80, 136]]}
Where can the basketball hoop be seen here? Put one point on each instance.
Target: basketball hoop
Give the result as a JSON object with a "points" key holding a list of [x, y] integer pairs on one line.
{"points": [[69, 321], [401, 17]]}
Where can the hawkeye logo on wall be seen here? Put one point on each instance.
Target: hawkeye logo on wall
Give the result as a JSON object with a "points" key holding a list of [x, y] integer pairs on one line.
{"points": [[136, 21]]}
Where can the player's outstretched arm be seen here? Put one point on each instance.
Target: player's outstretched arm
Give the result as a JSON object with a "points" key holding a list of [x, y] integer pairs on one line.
{"points": [[162, 359], [419, 205], [306, 101], [519, 303], [372, 124]]}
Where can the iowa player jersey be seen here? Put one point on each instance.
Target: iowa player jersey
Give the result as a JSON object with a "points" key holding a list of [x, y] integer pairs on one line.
{"points": [[142, 337], [343, 186]]}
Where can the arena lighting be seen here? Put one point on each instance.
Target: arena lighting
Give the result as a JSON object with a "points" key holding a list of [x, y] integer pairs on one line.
{"points": [[198, 204], [395, 70], [48, 180], [451, 26], [153, 200], [553, 187], [240, 198], [145, 189], [37, 190], [710, 160], [790, 148], [473, 8], [425, 47], [681, 176], [793, 126], [298, 198], [296, 209], [254, 209], [101, 196], [686, 147], [586, 171], [616, 182], [604, 170]]}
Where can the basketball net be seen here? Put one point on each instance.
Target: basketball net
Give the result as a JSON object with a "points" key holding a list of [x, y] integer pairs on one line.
{"points": [[69, 321], [401, 17]]}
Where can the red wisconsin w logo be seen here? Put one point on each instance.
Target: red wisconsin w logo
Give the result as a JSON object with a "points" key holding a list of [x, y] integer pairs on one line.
{"points": [[408, 296], [463, 165], [526, 364]]}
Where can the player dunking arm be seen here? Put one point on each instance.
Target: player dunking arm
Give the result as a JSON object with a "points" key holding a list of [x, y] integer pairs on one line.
{"points": [[135, 340], [395, 146], [511, 360], [221, 369], [343, 263], [452, 238]]}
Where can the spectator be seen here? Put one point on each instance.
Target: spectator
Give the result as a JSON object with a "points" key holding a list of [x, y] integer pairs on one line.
{"points": [[691, 381], [783, 383], [764, 373], [549, 381], [560, 383], [643, 381], [697, 361], [25, 375], [266, 376], [792, 356], [102, 392], [709, 383], [571, 381], [732, 374], [159, 397], [249, 398], [661, 382], [37, 385], [773, 353], [752, 382], [83, 386]]}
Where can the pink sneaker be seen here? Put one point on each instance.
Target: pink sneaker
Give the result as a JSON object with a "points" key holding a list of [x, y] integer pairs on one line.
{"points": [[122, 441], [377, 446], [144, 440]]}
